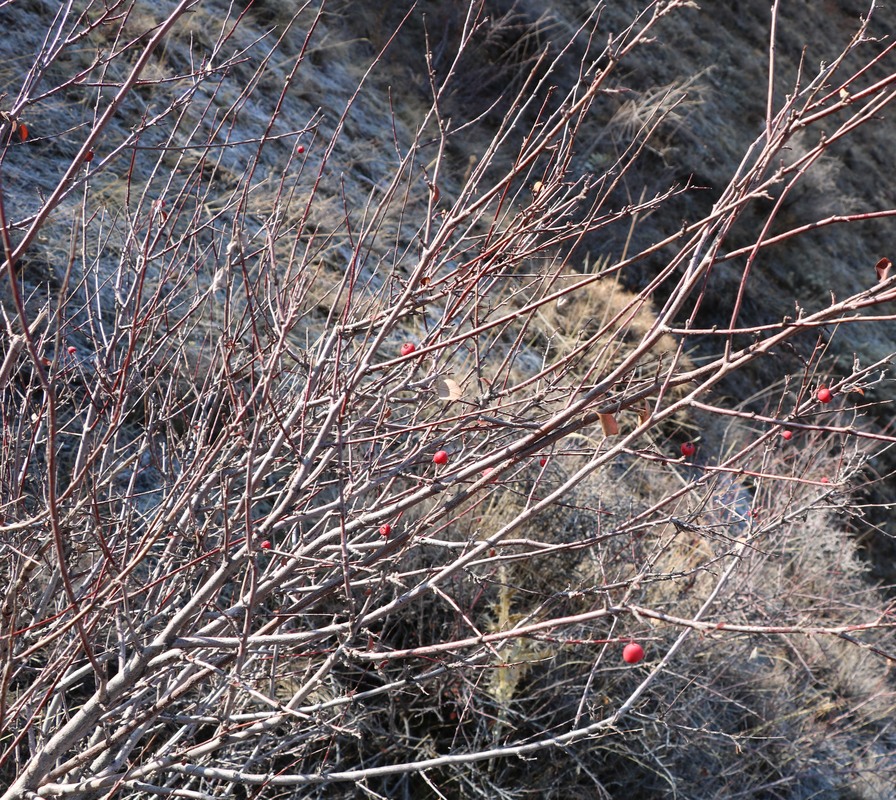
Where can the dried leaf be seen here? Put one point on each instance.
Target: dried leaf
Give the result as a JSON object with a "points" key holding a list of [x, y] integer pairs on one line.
{"points": [[643, 414], [883, 269], [449, 389], [608, 423], [23, 132], [854, 390]]}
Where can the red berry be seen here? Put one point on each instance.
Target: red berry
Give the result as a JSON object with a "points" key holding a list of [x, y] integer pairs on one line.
{"points": [[543, 461], [385, 530], [632, 653], [265, 545], [72, 350], [688, 449], [824, 395], [440, 457], [825, 479], [88, 156], [300, 149], [788, 435], [407, 348], [487, 471]]}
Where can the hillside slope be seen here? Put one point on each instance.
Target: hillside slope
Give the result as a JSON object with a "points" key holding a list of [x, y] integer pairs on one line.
{"points": [[374, 374]]}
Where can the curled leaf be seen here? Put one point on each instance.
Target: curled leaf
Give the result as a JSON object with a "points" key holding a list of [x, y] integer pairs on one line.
{"points": [[883, 269], [643, 414], [609, 425], [449, 389]]}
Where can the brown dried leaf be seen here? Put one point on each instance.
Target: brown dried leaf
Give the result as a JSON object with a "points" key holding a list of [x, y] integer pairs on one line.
{"points": [[608, 423], [883, 269], [449, 389], [643, 414]]}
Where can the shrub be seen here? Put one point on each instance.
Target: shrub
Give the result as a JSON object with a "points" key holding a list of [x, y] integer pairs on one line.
{"points": [[232, 226]]}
